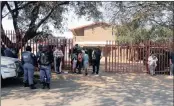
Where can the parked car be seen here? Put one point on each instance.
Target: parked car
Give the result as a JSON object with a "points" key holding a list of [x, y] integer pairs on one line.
{"points": [[10, 67]]}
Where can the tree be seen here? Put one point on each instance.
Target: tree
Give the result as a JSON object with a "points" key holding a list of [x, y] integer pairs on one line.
{"points": [[155, 13], [29, 16], [134, 34], [152, 14]]}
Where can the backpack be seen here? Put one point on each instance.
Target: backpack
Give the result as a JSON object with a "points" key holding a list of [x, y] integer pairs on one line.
{"points": [[80, 58], [44, 59]]}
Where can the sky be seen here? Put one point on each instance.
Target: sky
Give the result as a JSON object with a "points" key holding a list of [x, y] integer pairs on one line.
{"points": [[73, 22]]}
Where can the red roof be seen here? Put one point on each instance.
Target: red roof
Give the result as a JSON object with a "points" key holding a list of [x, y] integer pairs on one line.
{"points": [[84, 26]]}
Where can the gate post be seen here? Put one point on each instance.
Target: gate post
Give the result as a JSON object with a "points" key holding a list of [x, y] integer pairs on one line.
{"points": [[147, 55]]}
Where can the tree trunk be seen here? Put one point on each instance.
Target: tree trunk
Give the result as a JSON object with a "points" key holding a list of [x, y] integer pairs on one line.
{"points": [[20, 42], [4, 38]]}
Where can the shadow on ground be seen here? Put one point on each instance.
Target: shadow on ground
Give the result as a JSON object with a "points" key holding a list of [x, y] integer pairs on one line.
{"points": [[108, 89]]}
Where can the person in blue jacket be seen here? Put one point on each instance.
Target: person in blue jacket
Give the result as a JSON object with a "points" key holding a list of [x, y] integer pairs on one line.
{"points": [[28, 62]]}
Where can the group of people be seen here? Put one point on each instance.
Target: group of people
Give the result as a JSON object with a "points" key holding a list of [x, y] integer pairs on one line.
{"points": [[80, 60], [44, 59]]}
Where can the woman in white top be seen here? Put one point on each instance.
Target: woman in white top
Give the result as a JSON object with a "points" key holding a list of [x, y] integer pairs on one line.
{"points": [[152, 63]]}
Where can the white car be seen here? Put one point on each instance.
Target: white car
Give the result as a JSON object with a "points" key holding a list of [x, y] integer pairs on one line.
{"points": [[9, 67]]}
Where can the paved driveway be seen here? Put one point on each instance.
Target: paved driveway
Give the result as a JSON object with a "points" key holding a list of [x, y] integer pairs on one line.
{"points": [[104, 90]]}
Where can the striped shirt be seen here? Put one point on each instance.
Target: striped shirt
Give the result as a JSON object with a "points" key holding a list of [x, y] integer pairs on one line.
{"points": [[58, 53]]}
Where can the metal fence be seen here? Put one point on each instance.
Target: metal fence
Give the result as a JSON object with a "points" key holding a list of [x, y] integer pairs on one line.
{"points": [[119, 57], [65, 44], [128, 58]]}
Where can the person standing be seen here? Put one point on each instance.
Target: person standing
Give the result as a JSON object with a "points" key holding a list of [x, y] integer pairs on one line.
{"points": [[171, 63], [74, 62], [54, 59], [152, 62], [45, 61], [96, 56], [83, 53], [79, 61], [28, 62], [86, 62], [58, 54], [75, 48]]}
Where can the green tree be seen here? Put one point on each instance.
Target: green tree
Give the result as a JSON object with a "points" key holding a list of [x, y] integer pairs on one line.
{"points": [[155, 13], [134, 34], [29, 16]]}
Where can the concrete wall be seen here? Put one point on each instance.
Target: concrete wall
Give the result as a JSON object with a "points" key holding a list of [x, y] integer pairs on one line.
{"points": [[95, 33]]}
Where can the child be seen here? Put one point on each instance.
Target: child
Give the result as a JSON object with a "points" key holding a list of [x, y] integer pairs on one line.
{"points": [[86, 62]]}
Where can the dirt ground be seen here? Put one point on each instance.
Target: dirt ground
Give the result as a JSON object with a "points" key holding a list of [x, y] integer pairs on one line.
{"points": [[108, 89]]}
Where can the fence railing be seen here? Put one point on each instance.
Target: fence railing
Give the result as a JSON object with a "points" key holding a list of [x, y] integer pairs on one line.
{"points": [[133, 57], [119, 57], [65, 44]]}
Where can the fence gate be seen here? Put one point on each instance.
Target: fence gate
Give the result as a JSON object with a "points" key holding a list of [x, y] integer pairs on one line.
{"points": [[125, 58]]}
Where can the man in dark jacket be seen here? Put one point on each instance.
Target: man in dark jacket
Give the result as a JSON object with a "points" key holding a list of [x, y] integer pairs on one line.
{"points": [[96, 56], [45, 61]]}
